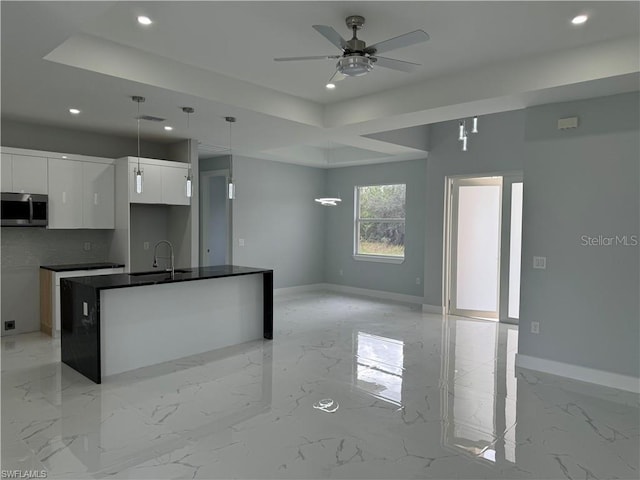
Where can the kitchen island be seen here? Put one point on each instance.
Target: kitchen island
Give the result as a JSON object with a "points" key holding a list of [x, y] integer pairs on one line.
{"points": [[116, 323]]}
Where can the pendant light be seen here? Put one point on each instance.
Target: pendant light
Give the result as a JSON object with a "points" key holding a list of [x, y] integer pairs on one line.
{"points": [[189, 185], [462, 132], [328, 201], [138, 171], [231, 194]]}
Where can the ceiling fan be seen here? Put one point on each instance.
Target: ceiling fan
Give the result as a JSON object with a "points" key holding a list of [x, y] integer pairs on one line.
{"points": [[357, 59]]}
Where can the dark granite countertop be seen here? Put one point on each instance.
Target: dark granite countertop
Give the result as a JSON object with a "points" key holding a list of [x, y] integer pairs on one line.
{"points": [[139, 279], [81, 266]]}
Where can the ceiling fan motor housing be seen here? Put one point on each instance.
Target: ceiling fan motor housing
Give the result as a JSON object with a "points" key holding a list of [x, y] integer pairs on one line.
{"points": [[354, 65]]}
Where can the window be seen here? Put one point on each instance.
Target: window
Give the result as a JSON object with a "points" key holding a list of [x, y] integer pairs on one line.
{"points": [[379, 225]]}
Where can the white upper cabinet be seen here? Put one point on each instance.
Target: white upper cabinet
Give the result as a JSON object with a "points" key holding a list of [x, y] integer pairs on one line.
{"points": [[98, 182], [65, 194], [81, 194], [151, 183], [6, 172], [24, 174], [174, 186], [163, 182]]}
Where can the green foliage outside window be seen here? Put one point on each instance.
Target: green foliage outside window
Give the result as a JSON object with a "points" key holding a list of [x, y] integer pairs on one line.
{"points": [[381, 220]]}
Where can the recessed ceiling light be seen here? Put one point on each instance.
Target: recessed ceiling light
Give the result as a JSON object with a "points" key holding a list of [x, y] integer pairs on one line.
{"points": [[144, 20], [74, 111], [168, 128], [330, 86], [64, 156], [579, 20]]}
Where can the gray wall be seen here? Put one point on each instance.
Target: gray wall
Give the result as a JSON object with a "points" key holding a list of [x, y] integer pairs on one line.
{"points": [[339, 236], [64, 140], [582, 182], [24, 250], [275, 214], [498, 147]]}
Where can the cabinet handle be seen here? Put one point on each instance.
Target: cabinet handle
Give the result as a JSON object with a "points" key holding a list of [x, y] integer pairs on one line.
{"points": [[95, 199], [30, 209]]}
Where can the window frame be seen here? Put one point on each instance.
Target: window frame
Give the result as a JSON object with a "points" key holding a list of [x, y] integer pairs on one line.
{"points": [[368, 257]]}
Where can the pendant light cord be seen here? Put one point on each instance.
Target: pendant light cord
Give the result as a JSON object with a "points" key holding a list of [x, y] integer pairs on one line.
{"points": [[138, 118]]}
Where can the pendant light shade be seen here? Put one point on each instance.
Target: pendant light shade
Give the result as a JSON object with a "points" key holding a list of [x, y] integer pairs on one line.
{"points": [[138, 171], [189, 182]]}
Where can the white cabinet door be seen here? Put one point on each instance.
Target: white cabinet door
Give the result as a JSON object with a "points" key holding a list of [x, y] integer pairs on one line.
{"points": [[29, 174], [6, 172], [174, 186], [99, 192], [151, 184], [65, 193]]}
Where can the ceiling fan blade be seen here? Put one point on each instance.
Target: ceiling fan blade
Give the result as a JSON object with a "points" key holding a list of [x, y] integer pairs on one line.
{"points": [[336, 77], [317, 57], [330, 34], [405, 40], [395, 64]]}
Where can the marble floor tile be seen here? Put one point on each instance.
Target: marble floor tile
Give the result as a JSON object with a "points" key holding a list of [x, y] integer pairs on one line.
{"points": [[412, 395]]}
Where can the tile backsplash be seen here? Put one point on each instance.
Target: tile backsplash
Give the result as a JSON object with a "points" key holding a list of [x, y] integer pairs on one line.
{"points": [[24, 249]]}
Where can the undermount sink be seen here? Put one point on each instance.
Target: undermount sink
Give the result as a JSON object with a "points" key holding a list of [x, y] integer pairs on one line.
{"points": [[159, 272]]}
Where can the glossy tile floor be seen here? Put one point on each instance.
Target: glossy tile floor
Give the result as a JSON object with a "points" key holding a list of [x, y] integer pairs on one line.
{"points": [[406, 395]]}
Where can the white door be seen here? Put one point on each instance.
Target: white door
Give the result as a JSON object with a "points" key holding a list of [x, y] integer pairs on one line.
{"points": [[174, 186], [65, 193], [215, 225], [29, 174], [476, 207], [99, 192]]}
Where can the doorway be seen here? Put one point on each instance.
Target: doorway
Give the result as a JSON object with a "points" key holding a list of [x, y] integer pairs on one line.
{"points": [[215, 221], [483, 245]]}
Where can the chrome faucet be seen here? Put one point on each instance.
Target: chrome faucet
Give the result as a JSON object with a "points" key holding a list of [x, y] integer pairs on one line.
{"points": [[170, 268]]}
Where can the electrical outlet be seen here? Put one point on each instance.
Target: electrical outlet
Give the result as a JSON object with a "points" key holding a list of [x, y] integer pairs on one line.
{"points": [[87, 246], [417, 280], [241, 242], [535, 327], [540, 263], [340, 272], [145, 245], [10, 325]]}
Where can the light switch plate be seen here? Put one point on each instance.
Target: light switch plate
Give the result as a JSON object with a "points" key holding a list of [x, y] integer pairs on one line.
{"points": [[241, 242], [87, 246], [540, 263]]}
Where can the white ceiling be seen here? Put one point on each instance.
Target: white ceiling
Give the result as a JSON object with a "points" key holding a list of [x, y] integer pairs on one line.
{"points": [[483, 57]]}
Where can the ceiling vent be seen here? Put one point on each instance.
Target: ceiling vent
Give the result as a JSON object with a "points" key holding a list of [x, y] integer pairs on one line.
{"points": [[151, 118]]}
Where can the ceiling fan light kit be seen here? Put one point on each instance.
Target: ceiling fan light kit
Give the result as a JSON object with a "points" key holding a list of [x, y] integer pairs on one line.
{"points": [[357, 59]]}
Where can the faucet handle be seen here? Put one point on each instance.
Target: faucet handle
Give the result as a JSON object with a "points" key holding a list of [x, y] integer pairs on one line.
{"points": [[155, 262]]}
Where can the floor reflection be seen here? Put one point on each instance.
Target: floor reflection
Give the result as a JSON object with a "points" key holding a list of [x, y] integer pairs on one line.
{"points": [[379, 365], [479, 389]]}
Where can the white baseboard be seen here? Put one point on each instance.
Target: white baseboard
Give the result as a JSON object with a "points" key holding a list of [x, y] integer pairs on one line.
{"points": [[437, 309], [576, 372], [300, 289], [398, 297]]}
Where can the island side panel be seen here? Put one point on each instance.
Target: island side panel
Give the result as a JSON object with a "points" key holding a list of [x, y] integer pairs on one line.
{"points": [[80, 328], [142, 326], [268, 305]]}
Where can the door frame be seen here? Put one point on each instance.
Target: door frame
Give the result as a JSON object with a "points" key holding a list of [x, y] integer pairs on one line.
{"points": [[204, 212], [508, 178]]}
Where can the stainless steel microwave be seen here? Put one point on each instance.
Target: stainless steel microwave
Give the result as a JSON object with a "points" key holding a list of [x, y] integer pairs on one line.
{"points": [[24, 210]]}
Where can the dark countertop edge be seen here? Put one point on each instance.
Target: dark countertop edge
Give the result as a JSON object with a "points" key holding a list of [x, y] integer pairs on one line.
{"points": [[81, 266], [145, 283]]}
